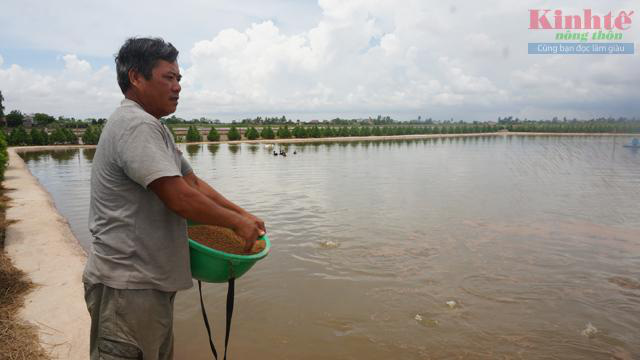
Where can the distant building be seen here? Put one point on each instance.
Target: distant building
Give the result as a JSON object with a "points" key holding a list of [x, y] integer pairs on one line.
{"points": [[28, 120]]}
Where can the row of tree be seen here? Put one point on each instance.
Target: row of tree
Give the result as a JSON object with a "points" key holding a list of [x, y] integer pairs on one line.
{"points": [[19, 136], [193, 135], [625, 127], [299, 131], [16, 118]]}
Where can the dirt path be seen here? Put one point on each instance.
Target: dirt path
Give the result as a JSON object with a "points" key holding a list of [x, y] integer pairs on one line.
{"points": [[41, 244]]}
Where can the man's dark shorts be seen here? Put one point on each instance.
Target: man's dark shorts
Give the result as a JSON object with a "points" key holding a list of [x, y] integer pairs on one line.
{"points": [[130, 324]]}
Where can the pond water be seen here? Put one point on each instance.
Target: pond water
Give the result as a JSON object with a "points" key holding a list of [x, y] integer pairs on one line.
{"points": [[481, 248]]}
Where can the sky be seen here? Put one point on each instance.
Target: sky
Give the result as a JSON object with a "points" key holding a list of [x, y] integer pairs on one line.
{"points": [[461, 60]]}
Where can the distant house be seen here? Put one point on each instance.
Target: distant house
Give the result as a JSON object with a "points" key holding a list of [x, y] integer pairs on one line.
{"points": [[28, 120], [314, 121]]}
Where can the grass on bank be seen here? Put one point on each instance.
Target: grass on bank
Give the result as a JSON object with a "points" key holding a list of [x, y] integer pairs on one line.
{"points": [[18, 340]]}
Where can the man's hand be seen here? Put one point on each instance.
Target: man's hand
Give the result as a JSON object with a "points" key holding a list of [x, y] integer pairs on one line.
{"points": [[248, 230], [256, 220], [244, 228]]}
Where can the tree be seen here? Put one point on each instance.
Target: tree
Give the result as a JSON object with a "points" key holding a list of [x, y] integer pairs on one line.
{"points": [[252, 133], [23, 137], [299, 132], [57, 137], [314, 132], [1, 112], [213, 135], [91, 136], [70, 137], [327, 132], [267, 133], [87, 137], [36, 137], [45, 137], [234, 134], [283, 132], [193, 135], [42, 119], [19, 136], [14, 118]]}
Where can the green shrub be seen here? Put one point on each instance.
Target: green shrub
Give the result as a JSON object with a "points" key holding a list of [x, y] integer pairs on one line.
{"points": [[327, 132], [91, 135], [300, 132], [36, 137], [234, 134], [267, 133], [314, 132], [45, 137], [213, 135], [19, 137], [193, 135], [283, 132], [252, 133], [71, 138]]}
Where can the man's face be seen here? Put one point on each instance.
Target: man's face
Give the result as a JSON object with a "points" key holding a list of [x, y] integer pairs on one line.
{"points": [[159, 95]]}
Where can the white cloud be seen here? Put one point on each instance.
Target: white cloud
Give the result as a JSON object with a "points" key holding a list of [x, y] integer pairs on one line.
{"points": [[359, 57], [74, 65], [75, 91]]}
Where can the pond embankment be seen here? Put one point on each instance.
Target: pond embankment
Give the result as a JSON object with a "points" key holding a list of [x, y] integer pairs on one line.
{"points": [[41, 244]]}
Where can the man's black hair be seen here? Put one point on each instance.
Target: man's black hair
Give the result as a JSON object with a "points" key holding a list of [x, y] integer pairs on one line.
{"points": [[141, 55]]}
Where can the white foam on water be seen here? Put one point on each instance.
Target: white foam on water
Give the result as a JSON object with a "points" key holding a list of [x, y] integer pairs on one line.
{"points": [[329, 244], [589, 331]]}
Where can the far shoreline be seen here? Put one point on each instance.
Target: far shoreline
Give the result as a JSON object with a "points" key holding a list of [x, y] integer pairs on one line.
{"points": [[338, 139]]}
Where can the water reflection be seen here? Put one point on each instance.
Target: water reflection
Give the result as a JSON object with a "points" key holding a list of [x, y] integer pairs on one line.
{"points": [[193, 149], [64, 156], [213, 148], [34, 155], [88, 154], [253, 148], [234, 148]]}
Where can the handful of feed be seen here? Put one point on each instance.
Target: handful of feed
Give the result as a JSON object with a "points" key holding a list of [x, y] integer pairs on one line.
{"points": [[222, 239]]}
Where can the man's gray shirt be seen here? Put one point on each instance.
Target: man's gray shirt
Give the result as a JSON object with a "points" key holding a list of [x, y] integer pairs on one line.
{"points": [[138, 243]]}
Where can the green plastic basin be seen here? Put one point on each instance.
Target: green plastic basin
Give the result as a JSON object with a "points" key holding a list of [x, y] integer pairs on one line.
{"points": [[215, 266]]}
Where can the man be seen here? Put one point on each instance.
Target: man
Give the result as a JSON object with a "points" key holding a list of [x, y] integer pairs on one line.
{"points": [[142, 189]]}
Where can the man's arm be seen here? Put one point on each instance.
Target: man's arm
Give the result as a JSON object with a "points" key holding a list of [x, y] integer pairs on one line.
{"points": [[205, 189], [191, 204]]}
